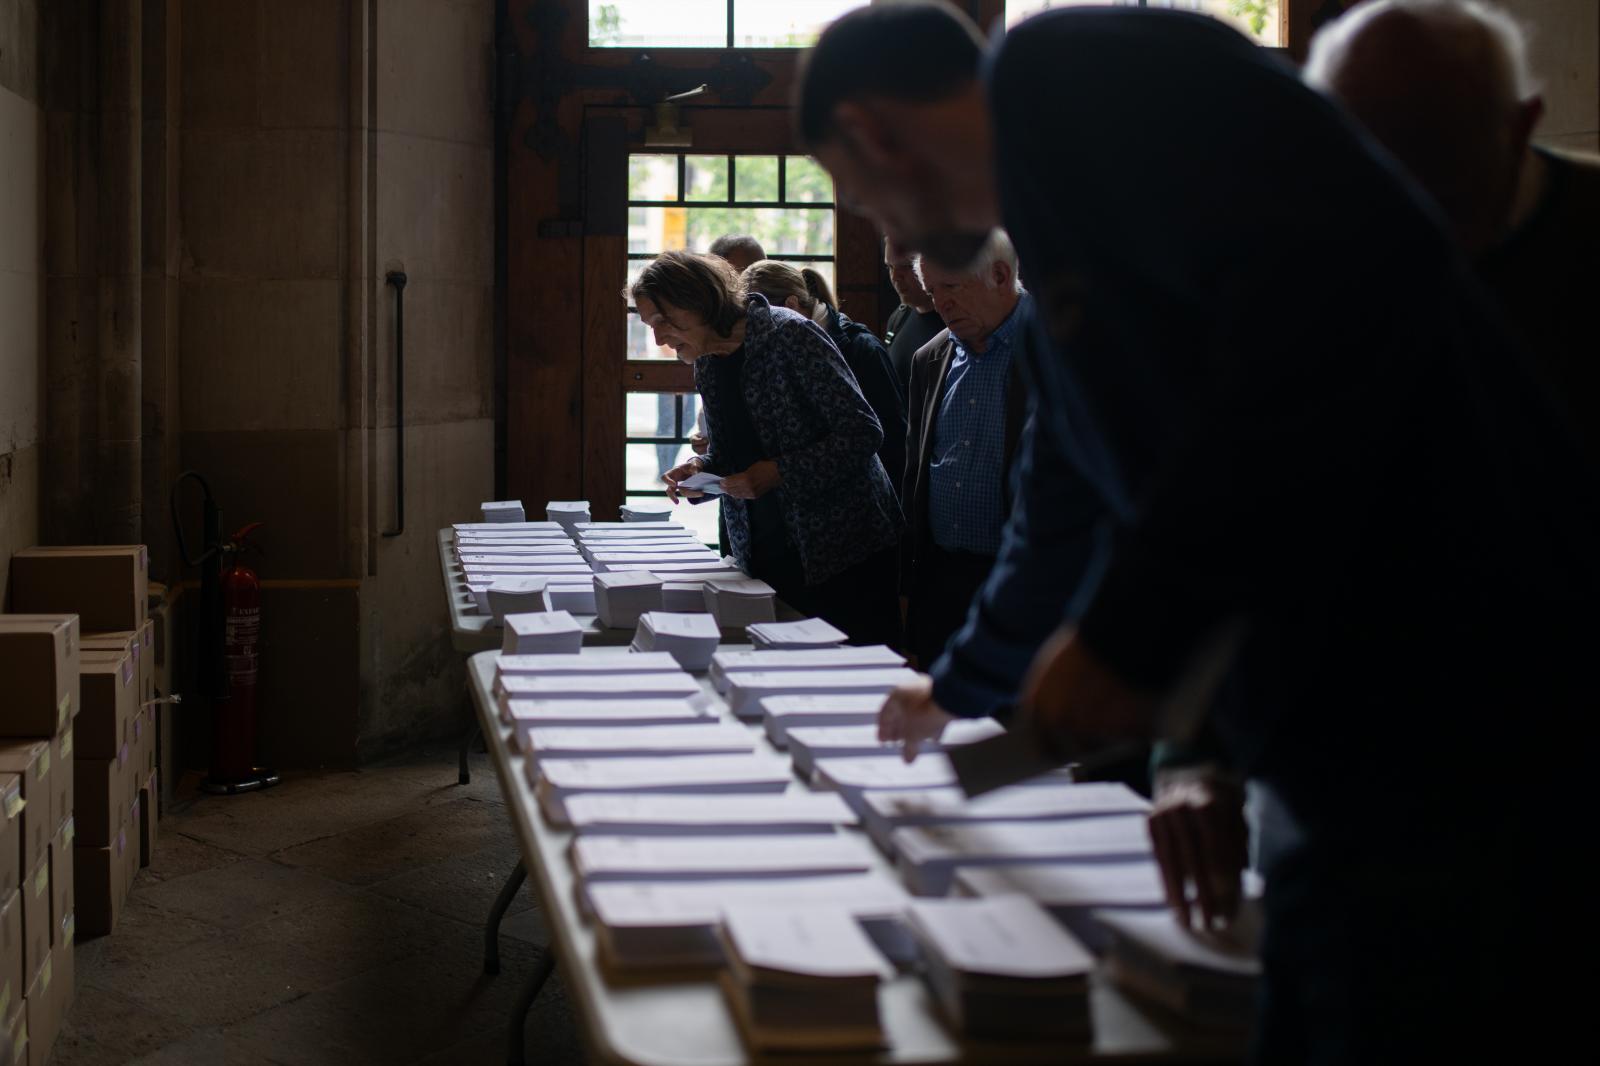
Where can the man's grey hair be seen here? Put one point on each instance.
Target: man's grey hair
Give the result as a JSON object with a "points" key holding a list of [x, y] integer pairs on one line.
{"points": [[1464, 19], [997, 249], [734, 243]]}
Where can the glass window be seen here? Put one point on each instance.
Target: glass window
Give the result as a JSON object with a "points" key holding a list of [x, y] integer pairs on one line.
{"points": [[1259, 19], [784, 23], [705, 177], [658, 428], [706, 23], [652, 177], [757, 179]]}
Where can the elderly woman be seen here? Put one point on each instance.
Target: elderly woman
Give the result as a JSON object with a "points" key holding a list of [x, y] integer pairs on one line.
{"points": [[809, 507], [806, 291]]}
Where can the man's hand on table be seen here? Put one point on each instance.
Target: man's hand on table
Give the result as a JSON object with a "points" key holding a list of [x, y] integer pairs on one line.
{"points": [[909, 716], [1198, 829]]}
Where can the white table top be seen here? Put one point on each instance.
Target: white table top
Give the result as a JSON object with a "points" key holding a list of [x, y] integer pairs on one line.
{"points": [[687, 1023]]}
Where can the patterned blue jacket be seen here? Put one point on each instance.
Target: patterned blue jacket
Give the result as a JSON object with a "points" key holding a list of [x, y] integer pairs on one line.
{"points": [[837, 501]]}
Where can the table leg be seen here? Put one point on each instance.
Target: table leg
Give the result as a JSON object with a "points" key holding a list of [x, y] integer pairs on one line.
{"points": [[516, 1036], [464, 776], [491, 929]]}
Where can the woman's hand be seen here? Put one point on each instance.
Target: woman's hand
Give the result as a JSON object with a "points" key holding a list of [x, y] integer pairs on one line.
{"points": [[754, 483], [686, 469], [909, 716]]}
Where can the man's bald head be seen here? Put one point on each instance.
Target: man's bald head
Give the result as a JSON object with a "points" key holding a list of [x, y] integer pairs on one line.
{"points": [[1445, 86]]}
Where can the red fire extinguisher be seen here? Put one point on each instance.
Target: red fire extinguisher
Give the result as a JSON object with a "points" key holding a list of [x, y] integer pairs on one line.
{"points": [[233, 763]]}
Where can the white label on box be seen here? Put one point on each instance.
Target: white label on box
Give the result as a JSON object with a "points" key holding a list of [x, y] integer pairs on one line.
{"points": [[13, 800]]}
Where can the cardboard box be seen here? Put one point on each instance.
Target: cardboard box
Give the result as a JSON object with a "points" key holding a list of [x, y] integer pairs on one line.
{"points": [[11, 807], [62, 778], [110, 697], [44, 1015], [35, 893], [14, 1035], [104, 586], [144, 747], [149, 818], [101, 878], [62, 889], [63, 956], [12, 975], [39, 661], [100, 798], [30, 760]]}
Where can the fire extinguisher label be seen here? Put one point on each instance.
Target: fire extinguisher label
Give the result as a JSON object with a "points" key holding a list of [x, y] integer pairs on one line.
{"points": [[243, 631]]}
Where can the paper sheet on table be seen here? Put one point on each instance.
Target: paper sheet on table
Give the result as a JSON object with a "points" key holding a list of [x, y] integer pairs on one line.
{"points": [[817, 941], [1004, 936]]}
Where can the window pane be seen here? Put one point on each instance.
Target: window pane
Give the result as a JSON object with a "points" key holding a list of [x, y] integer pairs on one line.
{"points": [[781, 231], [700, 517], [1257, 19], [645, 463], [656, 229], [655, 24], [758, 178], [706, 177], [807, 182], [1017, 10], [650, 414], [652, 177], [784, 23]]}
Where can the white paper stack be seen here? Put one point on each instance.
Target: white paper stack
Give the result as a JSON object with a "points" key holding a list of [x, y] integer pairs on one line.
{"points": [[651, 663], [928, 855], [517, 553], [620, 598], [568, 513], [1001, 968], [614, 688], [807, 744], [516, 595], [542, 633], [576, 569], [497, 512], [526, 715], [779, 714], [716, 736], [741, 602], [1046, 799], [689, 638], [699, 858], [747, 690], [1073, 892], [712, 569], [556, 779], [509, 529], [865, 657], [655, 925], [803, 979], [788, 636], [478, 589], [1207, 978], [683, 597], [639, 512], [853, 777], [579, 598], [626, 528], [628, 815]]}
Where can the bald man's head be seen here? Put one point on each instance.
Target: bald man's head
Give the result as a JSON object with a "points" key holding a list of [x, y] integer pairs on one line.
{"points": [[1444, 85]]}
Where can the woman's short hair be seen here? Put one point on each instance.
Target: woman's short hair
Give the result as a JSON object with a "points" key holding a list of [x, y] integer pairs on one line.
{"points": [[778, 281], [704, 284]]}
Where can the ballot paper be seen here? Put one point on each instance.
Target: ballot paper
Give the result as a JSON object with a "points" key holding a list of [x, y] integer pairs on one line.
{"points": [[628, 815], [714, 737], [554, 780], [629, 529], [645, 663], [674, 571], [516, 553], [853, 776], [867, 656], [1050, 798], [542, 633], [479, 591], [515, 595], [698, 858], [498, 511], [617, 687], [497, 528], [575, 568], [620, 598], [929, 854], [1072, 892], [567, 512], [803, 978], [1207, 978], [523, 715], [1001, 968], [807, 744], [579, 599], [691, 639], [674, 924], [709, 484], [664, 546], [779, 714], [746, 690], [639, 512], [654, 562], [683, 597], [739, 603], [806, 633]]}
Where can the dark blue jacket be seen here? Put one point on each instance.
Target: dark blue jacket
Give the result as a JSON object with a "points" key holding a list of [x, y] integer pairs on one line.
{"points": [[867, 359]]}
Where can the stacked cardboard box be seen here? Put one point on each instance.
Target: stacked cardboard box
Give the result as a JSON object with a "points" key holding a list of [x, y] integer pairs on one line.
{"points": [[40, 657]]}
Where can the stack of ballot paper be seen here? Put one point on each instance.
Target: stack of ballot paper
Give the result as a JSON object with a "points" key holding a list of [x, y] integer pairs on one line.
{"points": [[597, 858], [1072, 892], [789, 812], [627, 529], [715, 736], [568, 513], [635, 663], [806, 633], [542, 633], [1208, 978], [517, 594], [639, 512], [807, 744], [779, 714], [478, 589], [865, 657], [1002, 969], [803, 978], [853, 776], [663, 561], [620, 598], [673, 924], [684, 597], [526, 715], [554, 780], [615, 687], [738, 603], [928, 855], [689, 638], [747, 690], [497, 512], [579, 599], [1049, 798]]}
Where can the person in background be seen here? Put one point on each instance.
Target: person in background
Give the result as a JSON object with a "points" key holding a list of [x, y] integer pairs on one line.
{"points": [[809, 506], [915, 322], [739, 249], [968, 406], [805, 291]]}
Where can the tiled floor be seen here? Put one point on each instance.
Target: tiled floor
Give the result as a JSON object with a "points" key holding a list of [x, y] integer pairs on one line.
{"points": [[335, 919]]}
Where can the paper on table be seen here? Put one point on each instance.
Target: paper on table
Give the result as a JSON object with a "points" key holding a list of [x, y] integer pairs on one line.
{"points": [[1161, 935], [692, 773], [567, 742], [637, 663], [594, 686], [1111, 837], [1003, 936], [745, 586], [526, 714], [815, 941], [1078, 884], [644, 858], [670, 903], [502, 527], [810, 743], [782, 713], [745, 690], [805, 633], [679, 815], [668, 624], [1053, 800], [859, 657], [627, 580], [857, 774]]}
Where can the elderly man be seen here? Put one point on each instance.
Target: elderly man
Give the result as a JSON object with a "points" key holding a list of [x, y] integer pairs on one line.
{"points": [[967, 407], [1335, 491], [740, 249], [912, 324]]}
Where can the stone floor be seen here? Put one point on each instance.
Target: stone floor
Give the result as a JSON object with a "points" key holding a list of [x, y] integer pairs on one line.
{"points": [[335, 919]]}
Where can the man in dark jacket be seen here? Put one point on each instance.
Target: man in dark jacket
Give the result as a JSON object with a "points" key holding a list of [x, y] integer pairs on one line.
{"points": [[912, 324]]}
